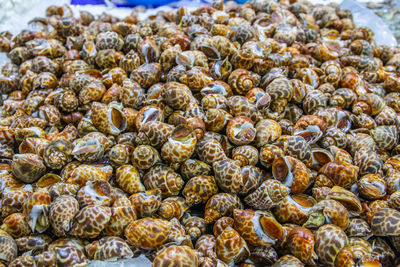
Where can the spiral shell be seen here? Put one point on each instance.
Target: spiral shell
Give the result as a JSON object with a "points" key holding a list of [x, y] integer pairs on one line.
{"points": [[146, 203], [108, 247], [36, 209], [108, 118], [16, 225], [9, 250], [176, 256], [164, 178], [27, 167], [228, 175], [220, 205], [267, 131], [94, 193], [328, 210], [128, 178], [329, 240], [154, 133], [147, 233], [62, 211], [180, 145], [84, 173], [292, 173], [231, 247], [90, 221], [199, 189], [267, 195]]}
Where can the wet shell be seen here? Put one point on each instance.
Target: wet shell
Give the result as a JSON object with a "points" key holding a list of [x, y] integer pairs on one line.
{"points": [[109, 247], [9, 250], [145, 156], [146, 203], [57, 154], [180, 256], [292, 173], [27, 167], [16, 225], [328, 211], [94, 193], [164, 178], [128, 178], [301, 244], [329, 240], [199, 189], [240, 130], [267, 195], [147, 233], [267, 131], [173, 207], [385, 222], [62, 255], [258, 228], [246, 155], [90, 221], [341, 174], [228, 176], [62, 212], [36, 209], [231, 247], [122, 213], [84, 173], [180, 145], [193, 167], [108, 118], [210, 150], [294, 209], [220, 205]]}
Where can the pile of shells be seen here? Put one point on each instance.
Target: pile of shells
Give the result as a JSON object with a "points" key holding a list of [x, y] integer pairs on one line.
{"points": [[262, 134]]}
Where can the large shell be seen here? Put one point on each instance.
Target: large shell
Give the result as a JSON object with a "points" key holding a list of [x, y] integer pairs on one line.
{"points": [[108, 118], [128, 178], [267, 195], [180, 256], [199, 189], [231, 247], [165, 178], [9, 249], [301, 244], [109, 247], [329, 240], [27, 167], [220, 205]]}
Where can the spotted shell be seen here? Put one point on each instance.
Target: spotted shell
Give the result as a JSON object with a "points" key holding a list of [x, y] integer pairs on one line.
{"points": [[9, 250], [385, 222], [341, 174], [205, 244], [267, 195], [27, 167], [329, 240], [122, 213], [220, 205], [146, 203], [165, 178], [301, 244], [90, 221], [228, 175], [36, 209], [145, 156], [16, 225], [108, 118], [108, 247], [330, 211], [231, 247], [94, 193], [292, 173], [62, 211], [358, 228], [267, 131], [180, 256], [34, 244], [154, 133], [193, 167], [83, 173], [199, 189], [249, 222], [294, 209], [210, 150], [67, 255], [240, 130], [13, 197], [128, 178], [147, 233], [180, 145]]}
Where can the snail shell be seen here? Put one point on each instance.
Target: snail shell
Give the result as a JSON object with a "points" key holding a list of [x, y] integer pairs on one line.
{"points": [[108, 118], [180, 145], [83, 173], [128, 178], [220, 205], [94, 193], [199, 189], [62, 212], [90, 221], [36, 209], [9, 250], [210, 150], [57, 154], [154, 133], [145, 156], [292, 173], [267, 131], [181, 256], [267, 195], [146, 203], [27, 167], [164, 178], [173, 207], [231, 247], [141, 232], [301, 244], [108, 247], [258, 228], [16, 225], [329, 240], [228, 175]]}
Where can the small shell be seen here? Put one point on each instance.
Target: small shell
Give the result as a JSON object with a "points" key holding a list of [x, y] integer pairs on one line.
{"points": [[196, 78], [9, 250], [147, 74], [132, 95], [57, 154], [193, 167], [231, 247], [228, 176], [91, 147], [108, 118], [220, 205], [147, 233], [20, 261], [128, 178], [122, 213], [154, 133], [358, 228], [210, 150], [206, 245], [62, 212], [386, 137], [341, 174], [62, 255], [194, 226], [36, 209], [221, 224], [145, 156], [94, 193], [241, 81], [90, 221], [173, 207], [16, 225], [246, 155], [120, 154], [292, 173], [164, 178], [372, 186], [27, 167], [109, 247], [146, 203], [199, 189], [329, 240], [267, 195], [258, 228], [84, 173], [288, 260], [301, 244], [180, 256], [267, 131], [180, 145], [240, 130], [328, 211], [294, 209], [93, 91]]}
